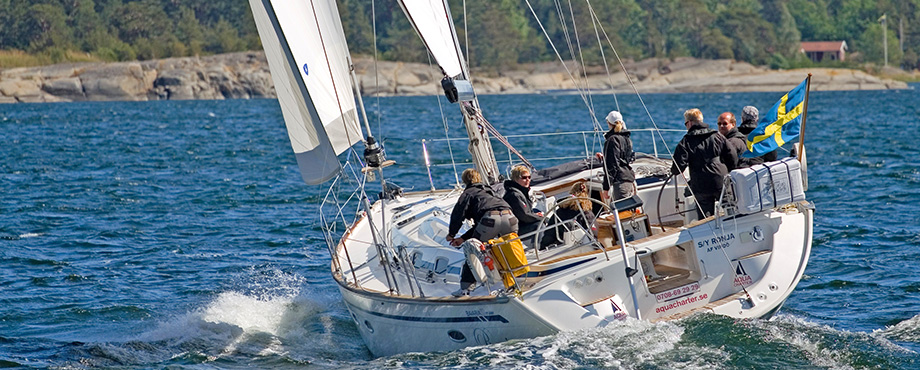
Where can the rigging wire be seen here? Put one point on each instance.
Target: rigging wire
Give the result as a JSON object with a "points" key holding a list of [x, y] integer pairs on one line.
{"points": [[444, 123], [584, 71], [335, 90], [376, 70], [558, 55], [477, 115], [466, 36], [644, 106], [600, 45]]}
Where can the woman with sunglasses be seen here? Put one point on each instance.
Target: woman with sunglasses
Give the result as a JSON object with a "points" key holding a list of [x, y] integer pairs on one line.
{"points": [[518, 196]]}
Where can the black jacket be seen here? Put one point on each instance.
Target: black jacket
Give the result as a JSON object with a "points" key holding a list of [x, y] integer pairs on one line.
{"points": [[618, 154], [738, 144], [709, 157], [518, 197], [565, 214], [474, 202], [745, 129]]}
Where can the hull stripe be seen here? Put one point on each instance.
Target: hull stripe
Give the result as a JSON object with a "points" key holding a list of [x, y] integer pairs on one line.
{"points": [[496, 318]]}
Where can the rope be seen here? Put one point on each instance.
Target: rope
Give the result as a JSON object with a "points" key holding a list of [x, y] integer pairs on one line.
{"points": [[553, 45], [450, 148], [584, 71], [335, 89], [477, 115], [376, 74], [647, 112], [616, 101]]}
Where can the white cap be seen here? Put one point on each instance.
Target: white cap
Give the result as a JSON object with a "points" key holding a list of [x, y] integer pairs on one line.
{"points": [[614, 116]]}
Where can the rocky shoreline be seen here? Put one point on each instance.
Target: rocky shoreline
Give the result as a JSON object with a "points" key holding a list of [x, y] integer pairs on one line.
{"points": [[246, 76]]}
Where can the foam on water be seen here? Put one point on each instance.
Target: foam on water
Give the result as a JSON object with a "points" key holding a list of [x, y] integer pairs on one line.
{"points": [[273, 316], [904, 331]]}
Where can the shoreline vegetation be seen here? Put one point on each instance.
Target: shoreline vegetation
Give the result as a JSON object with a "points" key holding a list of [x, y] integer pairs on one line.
{"points": [[245, 75]]}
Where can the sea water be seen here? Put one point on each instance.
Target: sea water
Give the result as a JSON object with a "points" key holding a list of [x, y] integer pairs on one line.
{"points": [[179, 234]]}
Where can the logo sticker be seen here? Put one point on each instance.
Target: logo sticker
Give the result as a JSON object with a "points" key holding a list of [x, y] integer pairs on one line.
{"points": [[306, 70], [741, 277]]}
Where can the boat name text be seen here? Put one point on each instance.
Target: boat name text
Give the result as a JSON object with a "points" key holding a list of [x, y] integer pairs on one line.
{"points": [[716, 243], [477, 313]]}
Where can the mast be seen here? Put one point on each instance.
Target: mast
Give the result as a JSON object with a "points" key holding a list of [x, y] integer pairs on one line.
{"points": [[480, 147]]}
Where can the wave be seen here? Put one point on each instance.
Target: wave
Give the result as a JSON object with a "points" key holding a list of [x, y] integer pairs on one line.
{"points": [[702, 341]]}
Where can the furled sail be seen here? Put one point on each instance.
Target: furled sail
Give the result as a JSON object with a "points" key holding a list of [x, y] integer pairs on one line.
{"points": [[308, 57], [431, 19]]}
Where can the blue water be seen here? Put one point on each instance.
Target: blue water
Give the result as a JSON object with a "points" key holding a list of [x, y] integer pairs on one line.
{"points": [[179, 234]]}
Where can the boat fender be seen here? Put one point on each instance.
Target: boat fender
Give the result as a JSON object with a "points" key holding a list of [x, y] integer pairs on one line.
{"points": [[473, 251]]}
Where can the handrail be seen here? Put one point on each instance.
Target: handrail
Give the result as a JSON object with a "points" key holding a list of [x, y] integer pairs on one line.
{"points": [[586, 136]]}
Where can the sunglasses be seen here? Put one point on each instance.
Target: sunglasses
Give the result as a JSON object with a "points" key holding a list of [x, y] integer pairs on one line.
{"points": [[525, 177]]}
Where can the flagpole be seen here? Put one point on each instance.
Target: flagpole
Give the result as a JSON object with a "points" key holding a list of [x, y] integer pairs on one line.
{"points": [[804, 116]]}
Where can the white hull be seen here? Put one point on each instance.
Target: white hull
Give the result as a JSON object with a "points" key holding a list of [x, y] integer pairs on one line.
{"points": [[742, 267]]}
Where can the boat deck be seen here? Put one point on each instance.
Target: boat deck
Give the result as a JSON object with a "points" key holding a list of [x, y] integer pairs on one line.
{"points": [[669, 278]]}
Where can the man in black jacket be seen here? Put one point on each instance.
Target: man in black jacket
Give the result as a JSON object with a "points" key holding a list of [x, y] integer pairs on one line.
{"points": [[736, 140], [706, 152], [749, 123], [517, 195]]}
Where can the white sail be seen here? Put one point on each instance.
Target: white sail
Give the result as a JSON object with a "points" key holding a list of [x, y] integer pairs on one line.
{"points": [[306, 51], [432, 21]]}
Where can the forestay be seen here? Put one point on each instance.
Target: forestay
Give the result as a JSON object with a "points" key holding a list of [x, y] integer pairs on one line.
{"points": [[431, 19], [308, 56]]}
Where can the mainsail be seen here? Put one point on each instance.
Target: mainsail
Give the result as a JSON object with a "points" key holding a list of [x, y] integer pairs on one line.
{"points": [[431, 19], [308, 56]]}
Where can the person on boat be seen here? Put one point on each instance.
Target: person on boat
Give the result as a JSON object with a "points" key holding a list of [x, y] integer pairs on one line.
{"points": [[749, 115], [709, 158], [619, 181], [518, 196], [578, 207], [491, 215], [736, 141]]}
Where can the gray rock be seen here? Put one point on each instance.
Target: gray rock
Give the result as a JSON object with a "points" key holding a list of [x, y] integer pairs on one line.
{"points": [[68, 88], [21, 89], [246, 75], [115, 81]]}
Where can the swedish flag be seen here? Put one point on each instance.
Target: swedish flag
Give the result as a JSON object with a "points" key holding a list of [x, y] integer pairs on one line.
{"points": [[780, 125]]}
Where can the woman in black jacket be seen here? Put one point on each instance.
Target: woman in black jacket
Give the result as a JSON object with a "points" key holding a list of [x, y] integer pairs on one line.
{"points": [[618, 154], [517, 195]]}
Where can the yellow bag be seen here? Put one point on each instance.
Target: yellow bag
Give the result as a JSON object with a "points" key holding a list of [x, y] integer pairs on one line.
{"points": [[509, 252]]}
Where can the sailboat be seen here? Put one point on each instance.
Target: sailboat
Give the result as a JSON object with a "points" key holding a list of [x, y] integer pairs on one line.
{"points": [[649, 259]]}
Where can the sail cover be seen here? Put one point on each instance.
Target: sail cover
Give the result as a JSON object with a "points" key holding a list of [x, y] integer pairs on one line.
{"points": [[431, 20], [308, 57]]}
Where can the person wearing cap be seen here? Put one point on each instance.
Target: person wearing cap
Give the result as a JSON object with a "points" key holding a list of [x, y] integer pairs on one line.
{"points": [[491, 215], [707, 154], [618, 154], [735, 139], [748, 124]]}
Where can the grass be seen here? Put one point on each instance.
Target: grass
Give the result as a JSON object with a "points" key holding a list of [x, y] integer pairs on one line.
{"points": [[19, 58]]}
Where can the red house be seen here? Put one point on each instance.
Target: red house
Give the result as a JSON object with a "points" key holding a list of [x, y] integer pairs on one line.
{"points": [[824, 50]]}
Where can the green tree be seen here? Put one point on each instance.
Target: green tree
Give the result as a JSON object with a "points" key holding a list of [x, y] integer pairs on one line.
{"points": [[224, 38], [812, 20], [188, 31], [872, 49], [47, 28], [139, 20]]}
